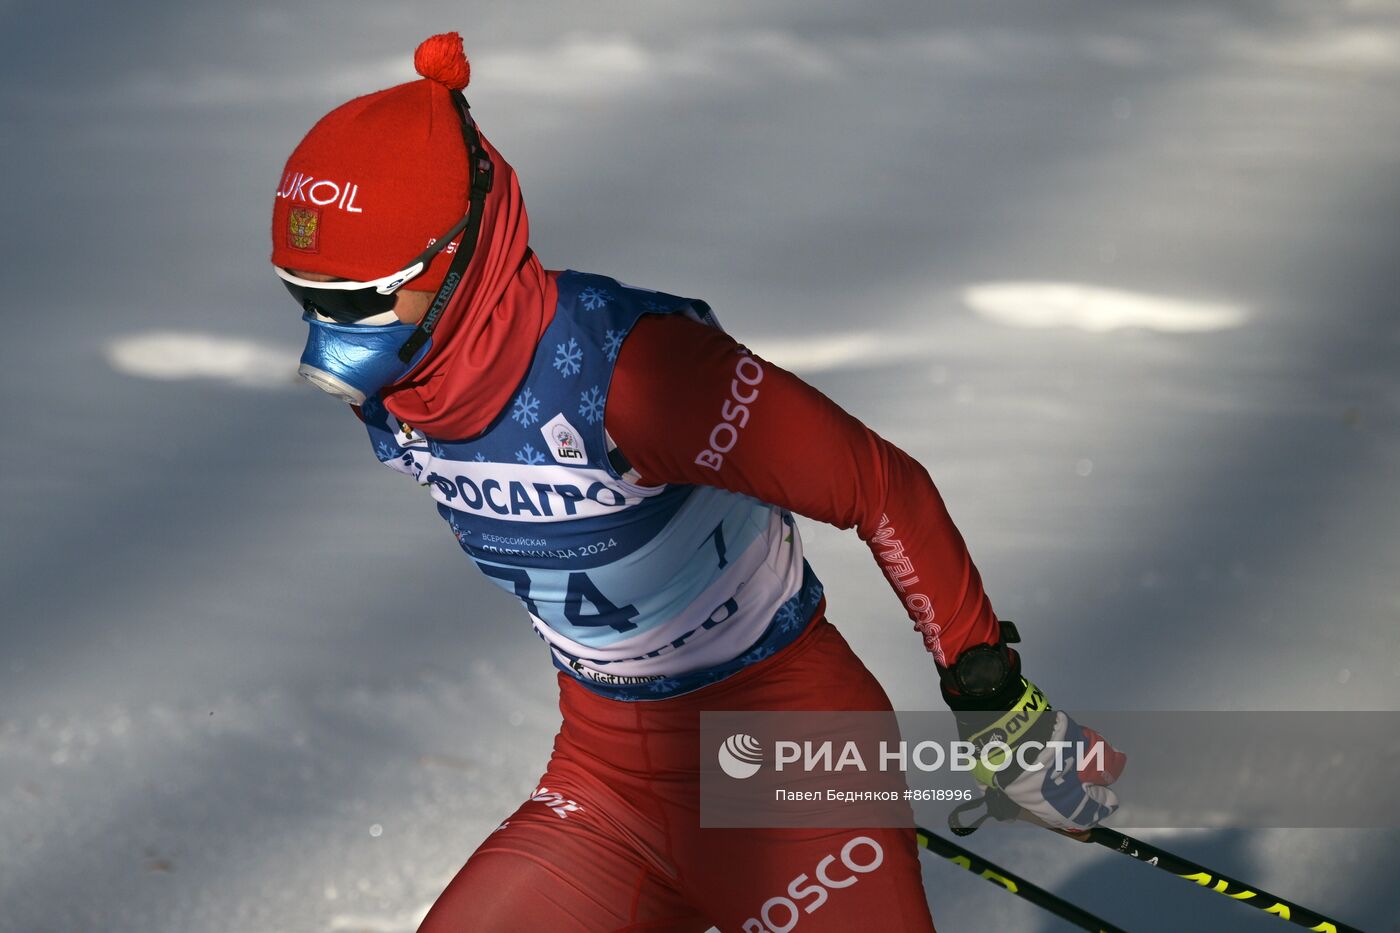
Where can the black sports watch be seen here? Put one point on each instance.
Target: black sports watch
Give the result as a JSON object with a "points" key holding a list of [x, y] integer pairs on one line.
{"points": [[984, 670]]}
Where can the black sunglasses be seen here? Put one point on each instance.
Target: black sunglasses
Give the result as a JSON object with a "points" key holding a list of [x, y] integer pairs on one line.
{"points": [[350, 302]]}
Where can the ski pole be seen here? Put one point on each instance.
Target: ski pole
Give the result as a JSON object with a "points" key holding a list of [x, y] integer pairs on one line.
{"points": [[1002, 808], [1017, 885], [1213, 880]]}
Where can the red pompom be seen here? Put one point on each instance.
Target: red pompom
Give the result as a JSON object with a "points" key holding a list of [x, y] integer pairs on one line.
{"points": [[441, 59]]}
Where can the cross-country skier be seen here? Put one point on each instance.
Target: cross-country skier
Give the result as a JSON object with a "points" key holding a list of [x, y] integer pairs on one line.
{"points": [[612, 458]]}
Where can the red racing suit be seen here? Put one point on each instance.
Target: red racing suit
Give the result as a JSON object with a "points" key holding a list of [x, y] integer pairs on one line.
{"points": [[611, 840]]}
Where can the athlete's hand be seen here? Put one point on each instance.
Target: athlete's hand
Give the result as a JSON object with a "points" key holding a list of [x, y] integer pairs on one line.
{"points": [[1065, 786], [1043, 761]]}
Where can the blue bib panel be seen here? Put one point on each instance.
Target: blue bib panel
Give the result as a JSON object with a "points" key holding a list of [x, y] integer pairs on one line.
{"points": [[641, 592]]}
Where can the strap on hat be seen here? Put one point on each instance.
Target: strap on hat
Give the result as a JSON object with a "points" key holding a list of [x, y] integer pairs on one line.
{"points": [[482, 173]]}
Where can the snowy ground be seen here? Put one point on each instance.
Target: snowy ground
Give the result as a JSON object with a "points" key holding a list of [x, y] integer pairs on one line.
{"points": [[1122, 276]]}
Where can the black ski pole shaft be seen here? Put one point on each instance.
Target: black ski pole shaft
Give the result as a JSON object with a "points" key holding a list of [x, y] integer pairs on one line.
{"points": [[1017, 885], [1213, 880]]}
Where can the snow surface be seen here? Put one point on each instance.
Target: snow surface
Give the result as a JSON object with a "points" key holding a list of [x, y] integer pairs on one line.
{"points": [[249, 684], [1095, 309], [172, 356]]}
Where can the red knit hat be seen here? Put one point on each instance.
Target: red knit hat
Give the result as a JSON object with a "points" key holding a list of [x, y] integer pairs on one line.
{"points": [[379, 177]]}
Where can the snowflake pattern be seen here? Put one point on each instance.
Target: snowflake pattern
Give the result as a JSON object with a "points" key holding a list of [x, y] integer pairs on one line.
{"points": [[590, 407], [612, 343], [788, 618], [756, 655], [568, 358], [593, 298], [527, 408], [529, 456]]}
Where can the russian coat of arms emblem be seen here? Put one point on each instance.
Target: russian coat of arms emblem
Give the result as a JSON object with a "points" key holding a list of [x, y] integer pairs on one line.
{"points": [[303, 228]]}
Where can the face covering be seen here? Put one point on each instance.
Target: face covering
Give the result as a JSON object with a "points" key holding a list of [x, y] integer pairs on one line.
{"points": [[356, 345], [354, 361]]}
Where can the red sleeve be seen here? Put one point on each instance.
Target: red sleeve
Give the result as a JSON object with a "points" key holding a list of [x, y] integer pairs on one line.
{"points": [[690, 405]]}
